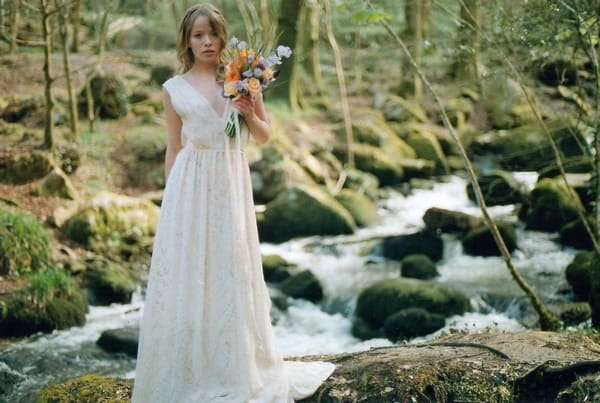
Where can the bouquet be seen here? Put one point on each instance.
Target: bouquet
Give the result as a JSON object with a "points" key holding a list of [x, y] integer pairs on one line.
{"points": [[249, 72]]}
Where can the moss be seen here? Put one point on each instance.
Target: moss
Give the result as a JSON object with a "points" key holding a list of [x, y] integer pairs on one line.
{"points": [[425, 242], [480, 242], [412, 322], [24, 243], [303, 285], [88, 388], [380, 300], [109, 94], [550, 206], [275, 268], [363, 210], [498, 188], [427, 147], [372, 160], [28, 166], [362, 182], [418, 266], [109, 282]]}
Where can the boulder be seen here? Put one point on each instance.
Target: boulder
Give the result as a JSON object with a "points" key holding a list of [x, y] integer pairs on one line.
{"points": [[124, 340], [579, 272], [505, 102], [275, 268], [550, 206], [412, 322], [577, 164], [417, 168], [424, 242], [23, 109], [57, 184], [427, 147], [24, 243], [88, 388], [557, 72], [161, 73], [418, 266], [108, 214], [371, 159], [304, 211], [576, 313], [498, 188], [595, 291], [363, 331], [382, 299], [398, 109], [303, 285], [109, 94], [450, 221], [576, 235], [362, 209], [27, 166], [362, 182], [108, 282], [14, 130], [480, 242]]}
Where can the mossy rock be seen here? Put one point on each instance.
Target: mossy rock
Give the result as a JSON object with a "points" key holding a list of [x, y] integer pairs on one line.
{"points": [[498, 188], [557, 72], [108, 282], [418, 266], [362, 209], [24, 243], [480, 242], [57, 184], [386, 297], [505, 102], [576, 313], [526, 148], [110, 216], [161, 73], [579, 272], [412, 322], [550, 206], [23, 318], [275, 268], [363, 331], [380, 134], [124, 340], [27, 166], [304, 211], [14, 130], [304, 285], [424, 242], [109, 94], [427, 147], [398, 109], [417, 168], [371, 159], [595, 291], [450, 221], [88, 388], [22, 109], [362, 182], [577, 164]]}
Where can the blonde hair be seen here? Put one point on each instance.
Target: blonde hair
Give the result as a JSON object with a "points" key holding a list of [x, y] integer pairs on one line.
{"points": [[217, 23]]}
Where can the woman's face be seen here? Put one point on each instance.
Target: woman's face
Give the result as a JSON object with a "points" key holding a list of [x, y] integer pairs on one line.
{"points": [[204, 41]]}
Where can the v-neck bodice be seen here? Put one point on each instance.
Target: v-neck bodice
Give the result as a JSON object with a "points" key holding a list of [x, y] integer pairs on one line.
{"points": [[201, 126]]}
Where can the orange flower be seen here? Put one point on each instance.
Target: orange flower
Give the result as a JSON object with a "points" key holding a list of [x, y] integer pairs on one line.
{"points": [[231, 73]]}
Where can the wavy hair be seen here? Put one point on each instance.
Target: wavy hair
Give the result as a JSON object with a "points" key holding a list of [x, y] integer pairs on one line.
{"points": [[217, 23]]}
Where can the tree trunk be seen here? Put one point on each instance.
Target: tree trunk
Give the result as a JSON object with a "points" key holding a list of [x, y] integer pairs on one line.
{"points": [[103, 29], [76, 22], [62, 23], [47, 37], [465, 66], [414, 35], [311, 44], [287, 26], [14, 24]]}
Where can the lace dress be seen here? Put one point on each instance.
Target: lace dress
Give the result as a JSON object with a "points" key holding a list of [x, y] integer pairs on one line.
{"points": [[206, 334]]}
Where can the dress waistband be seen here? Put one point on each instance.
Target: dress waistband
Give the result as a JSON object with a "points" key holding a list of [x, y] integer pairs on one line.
{"points": [[193, 147]]}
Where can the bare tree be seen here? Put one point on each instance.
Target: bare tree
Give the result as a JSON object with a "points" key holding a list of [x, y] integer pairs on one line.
{"points": [[465, 66], [48, 80], [75, 24], [312, 14], [287, 27], [416, 15], [14, 24]]}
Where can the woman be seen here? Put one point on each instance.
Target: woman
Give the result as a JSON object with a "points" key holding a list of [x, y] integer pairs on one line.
{"points": [[206, 334]]}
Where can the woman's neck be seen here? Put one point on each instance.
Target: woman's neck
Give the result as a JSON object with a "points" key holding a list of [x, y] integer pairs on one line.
{"points": [[203, 70]]}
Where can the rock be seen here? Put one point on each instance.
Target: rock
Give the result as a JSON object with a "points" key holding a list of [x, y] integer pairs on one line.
{"points": [[418, 266], [595, 291], [450, 221], [427, 147], [109, 213], [275, 268], [379, 134], [384, 298], [362, 182], [398, 109], [124, 340], [576, 235], [20, 110], [69, 156], [108, 282], [24, 243], [274, 173], [412, 322], [480, 242], [372, 160], [278, 299], [505, 103], [424, 242], [27, 166], [417, 168], [8, 378], [109, 94], [557, 72], [303, 285], [161, 73], [14, 130], [550, 207], [362, 209], [577, 164], [579, 272], [585, 388], [57, 184], [576, 313], [526, 148], [304, 211], [363, 331], [89, 388], [498, 188]]}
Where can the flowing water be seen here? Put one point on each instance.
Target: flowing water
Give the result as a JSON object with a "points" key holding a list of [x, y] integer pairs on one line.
{"points": [[344, 265]]}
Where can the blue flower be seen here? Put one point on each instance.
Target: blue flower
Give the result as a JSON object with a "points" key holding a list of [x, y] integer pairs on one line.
{"points": [[234, 41], [242, 45], [247, 73], [258, 72], [273, 59], [284, 51]]}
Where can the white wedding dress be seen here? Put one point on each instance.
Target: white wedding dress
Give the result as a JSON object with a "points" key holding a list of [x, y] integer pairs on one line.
{"points": [[206, 334]]}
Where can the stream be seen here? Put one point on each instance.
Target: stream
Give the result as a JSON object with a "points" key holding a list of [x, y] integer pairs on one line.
{"points": [[345, 266]]}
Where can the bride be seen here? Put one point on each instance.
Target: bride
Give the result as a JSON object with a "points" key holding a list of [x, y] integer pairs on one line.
{"points": [[206, 334]]}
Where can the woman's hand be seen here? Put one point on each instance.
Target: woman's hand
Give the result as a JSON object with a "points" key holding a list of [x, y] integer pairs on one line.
{"points": [[252, 108], [246, 105]]}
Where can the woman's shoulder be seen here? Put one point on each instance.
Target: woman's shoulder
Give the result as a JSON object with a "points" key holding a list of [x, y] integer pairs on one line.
{"points": [[171, 80]]}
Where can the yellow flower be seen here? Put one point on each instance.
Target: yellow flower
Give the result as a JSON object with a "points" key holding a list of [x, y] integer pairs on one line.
{"points": [[254, 85], [229, 88], [267, 73]]}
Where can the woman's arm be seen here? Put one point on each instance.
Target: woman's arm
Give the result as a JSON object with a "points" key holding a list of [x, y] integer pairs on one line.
{"points": [[255, 116], [174, 133]]}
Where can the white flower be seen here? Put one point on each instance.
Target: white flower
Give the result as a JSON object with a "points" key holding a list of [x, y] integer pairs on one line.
{"points": [[284, 51], [234, 41], [242, 45]]}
